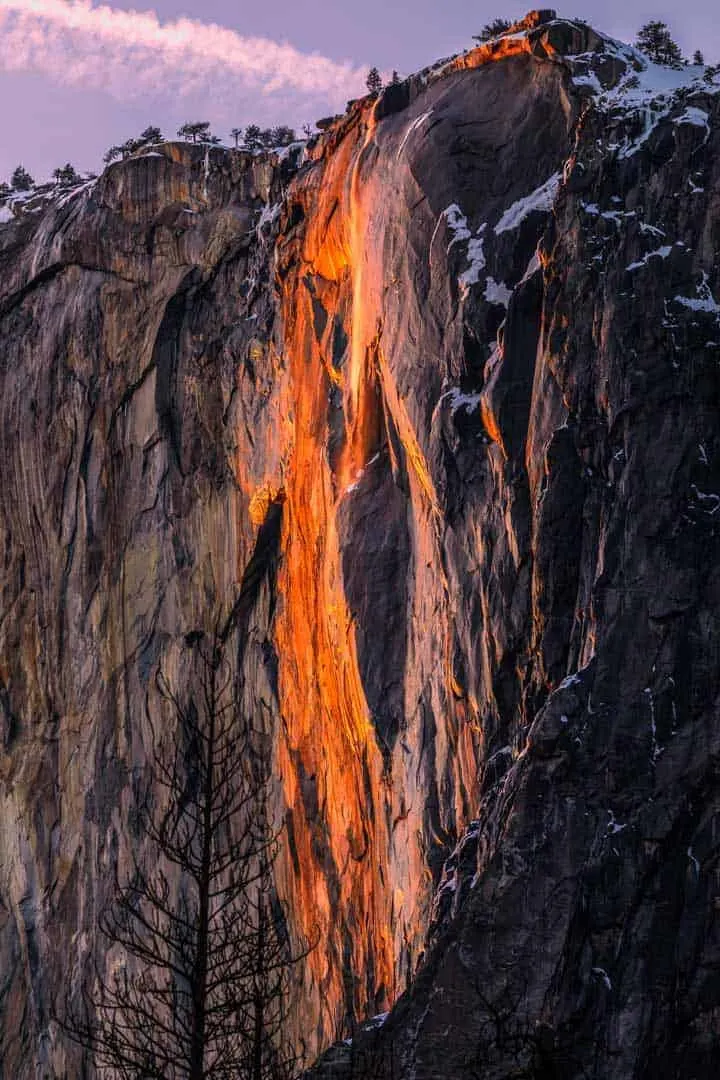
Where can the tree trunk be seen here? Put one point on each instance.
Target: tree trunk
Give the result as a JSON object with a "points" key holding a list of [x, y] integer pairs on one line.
{"points": [[199, 988]]}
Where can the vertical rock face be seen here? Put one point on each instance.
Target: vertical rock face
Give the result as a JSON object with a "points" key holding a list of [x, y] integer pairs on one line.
{"points": [[430, 422], [136, 381]]}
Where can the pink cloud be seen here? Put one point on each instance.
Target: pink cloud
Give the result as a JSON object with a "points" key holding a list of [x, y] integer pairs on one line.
{"points": [[129, 54]]}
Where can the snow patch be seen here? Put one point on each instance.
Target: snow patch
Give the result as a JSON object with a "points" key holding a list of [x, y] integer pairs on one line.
{"points": [[613, 825], [497, 292], [82, 189], [704, 301], [456, 223], [460, 400], [268, 216], [602, 974], [663, 252], [541, 199], [696, 117], [476, 258], [651, 229]]}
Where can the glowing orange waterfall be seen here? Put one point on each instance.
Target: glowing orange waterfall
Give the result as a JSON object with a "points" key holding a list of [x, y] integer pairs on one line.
{"points": [[328, 757]]}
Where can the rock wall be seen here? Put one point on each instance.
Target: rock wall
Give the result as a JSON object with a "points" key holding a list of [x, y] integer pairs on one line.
{"points": [[428, 419]]}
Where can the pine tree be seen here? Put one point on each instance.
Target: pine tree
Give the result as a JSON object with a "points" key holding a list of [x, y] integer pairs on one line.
{"points": [[654, 39], [253, 138], [698, 58], [66, 175], [282, 135], [5, 192], [235, 135], [21, 180], [198, 131], [492, 29], [150, 136], [373, 81], [395, 79]]}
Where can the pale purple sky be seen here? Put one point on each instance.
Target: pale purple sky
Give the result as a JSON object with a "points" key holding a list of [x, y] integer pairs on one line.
{"points": [[75, 78]]}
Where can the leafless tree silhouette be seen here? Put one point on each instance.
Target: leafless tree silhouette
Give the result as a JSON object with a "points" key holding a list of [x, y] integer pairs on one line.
{"points": [[195, 983]]}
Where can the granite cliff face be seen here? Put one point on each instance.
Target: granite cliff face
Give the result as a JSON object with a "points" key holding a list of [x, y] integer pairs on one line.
{"points": [[427, 415]]}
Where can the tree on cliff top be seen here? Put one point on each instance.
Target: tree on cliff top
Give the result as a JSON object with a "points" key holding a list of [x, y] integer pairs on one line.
{"points": [[66, 175], [654, 39], [21, 180], [198, 131], [373, 81], [196, 978], [493, 29]]}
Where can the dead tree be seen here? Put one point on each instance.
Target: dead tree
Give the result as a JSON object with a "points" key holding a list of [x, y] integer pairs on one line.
{"points": [[195, 981]]}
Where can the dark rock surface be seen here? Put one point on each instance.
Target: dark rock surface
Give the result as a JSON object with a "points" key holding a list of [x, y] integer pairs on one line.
{"points": [[436, 419]]}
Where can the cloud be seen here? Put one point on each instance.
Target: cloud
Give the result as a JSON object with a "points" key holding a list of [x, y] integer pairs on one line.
{"points": [[131, 54]]}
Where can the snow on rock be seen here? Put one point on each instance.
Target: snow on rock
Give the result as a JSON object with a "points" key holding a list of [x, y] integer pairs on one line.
{"points": [[456, 223], [651, 230], [647, 93], [693, 115], [497, 292], [541, 199], [704, 301], [460, 400], [476, 259], [662, 252], [268, 216], [6, 215], [67, 196]]}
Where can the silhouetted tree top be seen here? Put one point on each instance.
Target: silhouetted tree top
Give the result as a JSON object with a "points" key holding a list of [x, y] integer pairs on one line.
{"points": [[196, 131], [493, 29], [257, 138], [373, 81], [21, 180], [66, 175], [150, 135]]}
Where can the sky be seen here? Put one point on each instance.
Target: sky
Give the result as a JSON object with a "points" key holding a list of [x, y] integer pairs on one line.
{"points": [[77, 77]]}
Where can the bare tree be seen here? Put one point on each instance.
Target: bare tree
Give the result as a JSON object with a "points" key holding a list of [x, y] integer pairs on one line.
{"points": [[200, 959]]}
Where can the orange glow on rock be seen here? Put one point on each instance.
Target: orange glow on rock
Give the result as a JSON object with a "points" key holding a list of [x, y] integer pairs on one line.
{"points": [[328, 757]]}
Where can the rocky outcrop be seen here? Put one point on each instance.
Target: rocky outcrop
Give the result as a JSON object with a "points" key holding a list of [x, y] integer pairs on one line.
{"points": [[429, 419]]}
